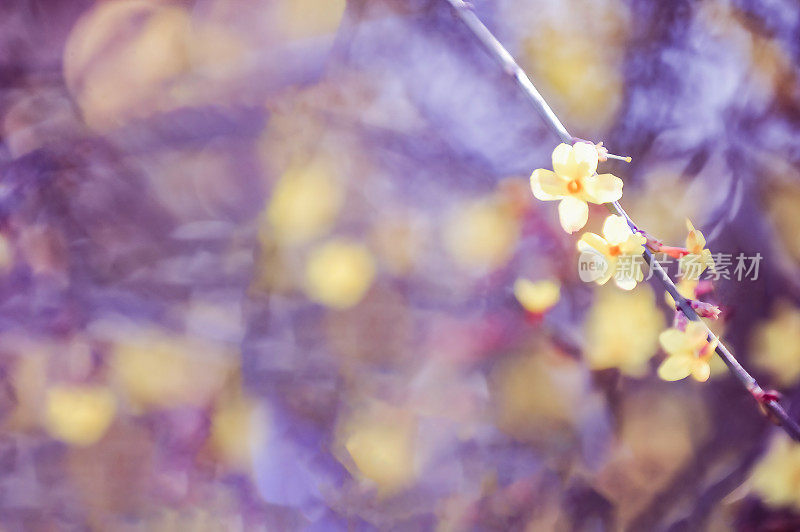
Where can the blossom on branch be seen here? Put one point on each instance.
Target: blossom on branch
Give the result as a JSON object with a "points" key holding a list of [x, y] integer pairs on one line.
{"points": [[575, 182], [697, 258], [689, 352], [619, 249]]}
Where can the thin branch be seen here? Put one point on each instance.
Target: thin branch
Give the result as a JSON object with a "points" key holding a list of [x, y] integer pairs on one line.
{"points": [[775, 411]]}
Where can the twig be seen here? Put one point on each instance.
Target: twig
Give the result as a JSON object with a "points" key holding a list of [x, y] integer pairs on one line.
{"points": [[765, 399]]}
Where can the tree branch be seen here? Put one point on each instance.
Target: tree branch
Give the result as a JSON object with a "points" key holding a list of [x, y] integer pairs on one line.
{"points": [[773, 408]]}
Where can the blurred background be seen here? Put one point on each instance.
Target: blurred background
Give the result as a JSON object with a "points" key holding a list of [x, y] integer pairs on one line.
{"points": [[258, 260]]}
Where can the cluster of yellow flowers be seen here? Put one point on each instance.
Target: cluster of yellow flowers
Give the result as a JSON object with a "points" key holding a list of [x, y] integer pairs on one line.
{"points": [[575, 183]]}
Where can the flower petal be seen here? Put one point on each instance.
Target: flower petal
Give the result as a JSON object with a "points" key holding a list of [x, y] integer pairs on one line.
{"points": [[633, 245], [695, 241], [609, 273], [708, 260], [616, 230], [603, 188], [673, 341], [586, 158], [701, 370], [573, 214], [564, 161], [547, 186], [675, 368], [692, 266], [696, 335], [593, 241], [628, 275], [625, 281]]}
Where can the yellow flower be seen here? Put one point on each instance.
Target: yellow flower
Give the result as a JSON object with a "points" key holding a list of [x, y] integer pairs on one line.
{"points": [[622, 330], [575, 183], [776, 345], [619, 250], [339, 273], [481, 234], [156, 370], [776, 478], [79, 415], [689, 353], [380, 446], [537, 297], [537, 397], [698, 258], [304, 205]]}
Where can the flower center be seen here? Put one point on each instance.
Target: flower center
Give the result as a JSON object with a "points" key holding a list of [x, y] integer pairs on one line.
{"points": [[574, 186], [614, 251]]}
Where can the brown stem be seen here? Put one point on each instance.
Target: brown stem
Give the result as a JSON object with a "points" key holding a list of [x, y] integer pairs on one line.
{"points": [[765, 399]]}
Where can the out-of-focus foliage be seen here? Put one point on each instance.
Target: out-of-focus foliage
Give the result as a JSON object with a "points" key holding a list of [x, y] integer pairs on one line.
{"points": [[153, 369], [113, 78], [622, 330], [275, 265], [660, 435], [480, 233], [575, 48]]}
